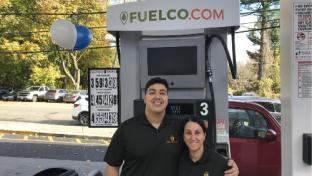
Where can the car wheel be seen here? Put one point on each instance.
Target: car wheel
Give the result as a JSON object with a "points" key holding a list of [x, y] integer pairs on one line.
{"points": [[34, 98], [84, 118]]}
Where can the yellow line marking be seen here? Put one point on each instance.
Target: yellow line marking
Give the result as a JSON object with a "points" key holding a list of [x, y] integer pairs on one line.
{"points": [[25, 137], [78, 141], [60, 142], [50, 138], [104, 142]]}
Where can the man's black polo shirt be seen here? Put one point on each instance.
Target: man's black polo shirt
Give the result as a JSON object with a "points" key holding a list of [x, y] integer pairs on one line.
{"points": [[145, 150], [210, 164]]}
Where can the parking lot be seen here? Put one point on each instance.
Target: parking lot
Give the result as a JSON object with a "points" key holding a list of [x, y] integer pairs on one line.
{"points": [[37, 112]]}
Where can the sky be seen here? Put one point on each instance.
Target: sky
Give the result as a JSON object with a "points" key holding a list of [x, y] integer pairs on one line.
{"points": [[242, 43]]}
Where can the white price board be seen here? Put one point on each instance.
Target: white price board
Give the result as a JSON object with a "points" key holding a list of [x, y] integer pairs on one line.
{"points": [[104, 97]]}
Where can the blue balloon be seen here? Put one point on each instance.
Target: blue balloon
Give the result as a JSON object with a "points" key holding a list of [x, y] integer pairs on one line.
{"points": [[84, 37]]}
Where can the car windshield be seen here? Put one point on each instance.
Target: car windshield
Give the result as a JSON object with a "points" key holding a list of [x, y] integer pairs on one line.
{"points": [[33, 88], [277, 107], [267, 105]]}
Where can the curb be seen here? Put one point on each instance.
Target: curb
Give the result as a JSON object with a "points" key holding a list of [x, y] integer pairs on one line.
{"points": [[54, 134]]}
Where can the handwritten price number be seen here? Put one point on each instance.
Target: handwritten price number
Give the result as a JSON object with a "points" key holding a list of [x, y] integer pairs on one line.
{"points": [[103, 82]]}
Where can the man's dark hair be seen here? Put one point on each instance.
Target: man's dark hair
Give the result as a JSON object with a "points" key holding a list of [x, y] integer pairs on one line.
{"points": [[156, 80]]}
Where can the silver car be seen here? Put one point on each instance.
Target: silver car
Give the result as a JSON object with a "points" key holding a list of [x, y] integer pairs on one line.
{"points": [[55, 95], [71, 97]]}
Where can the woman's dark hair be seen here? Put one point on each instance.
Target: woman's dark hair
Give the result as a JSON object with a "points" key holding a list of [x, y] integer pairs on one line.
{"points": [[156, 80], [197, 120]]}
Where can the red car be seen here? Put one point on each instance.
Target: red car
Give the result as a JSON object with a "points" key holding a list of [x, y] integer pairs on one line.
{"points": [[255, 139]]}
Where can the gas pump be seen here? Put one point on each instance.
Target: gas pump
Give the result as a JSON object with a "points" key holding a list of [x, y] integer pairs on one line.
{"points": [[177, 40]]}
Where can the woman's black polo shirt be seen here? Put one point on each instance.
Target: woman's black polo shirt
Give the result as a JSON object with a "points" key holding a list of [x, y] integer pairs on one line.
{"points": [[210, 164], [145, 150]]}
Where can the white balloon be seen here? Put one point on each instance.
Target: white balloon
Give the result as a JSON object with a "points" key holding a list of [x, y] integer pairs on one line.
{"points": [[64, 33]]}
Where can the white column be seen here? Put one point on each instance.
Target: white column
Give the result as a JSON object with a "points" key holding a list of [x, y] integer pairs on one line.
{"points": [[296, 73]]}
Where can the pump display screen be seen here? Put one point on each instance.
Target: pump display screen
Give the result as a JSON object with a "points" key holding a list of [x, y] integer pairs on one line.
{"points": [[181, 61], [172, 61], [180, 108]]}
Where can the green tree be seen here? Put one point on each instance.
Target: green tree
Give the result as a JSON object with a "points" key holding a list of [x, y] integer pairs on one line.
{"points": [[264, 38], [264, 61], [247, 80], [25, 27]]}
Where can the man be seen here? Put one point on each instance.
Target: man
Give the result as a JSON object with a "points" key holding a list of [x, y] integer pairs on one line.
{"points": [[149, 144]]}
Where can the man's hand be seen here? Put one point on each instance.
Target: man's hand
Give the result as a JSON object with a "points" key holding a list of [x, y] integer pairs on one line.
{"points": [[111, 170], [234, 169]]}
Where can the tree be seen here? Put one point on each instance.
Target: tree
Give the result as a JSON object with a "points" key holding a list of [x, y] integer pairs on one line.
{"points": [[28, 23], [246, 82], [264, 37], [15, 68], [265, 61]]}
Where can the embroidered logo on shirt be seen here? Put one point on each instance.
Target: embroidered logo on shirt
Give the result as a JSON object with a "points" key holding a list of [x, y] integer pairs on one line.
{"points": [[206, 173], [172, 140]]}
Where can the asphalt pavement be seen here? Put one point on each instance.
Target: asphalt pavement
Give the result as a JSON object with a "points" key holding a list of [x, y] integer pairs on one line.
{"points": [[17, 166], [12, 166]]}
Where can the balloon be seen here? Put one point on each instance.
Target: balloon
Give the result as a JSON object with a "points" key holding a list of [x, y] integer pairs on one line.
{"points": [[64, 33], [67, 35], [84, 37]]}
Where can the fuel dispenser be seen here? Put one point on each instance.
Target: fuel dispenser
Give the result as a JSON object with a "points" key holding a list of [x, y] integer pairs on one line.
{"points": [[184, 42]]}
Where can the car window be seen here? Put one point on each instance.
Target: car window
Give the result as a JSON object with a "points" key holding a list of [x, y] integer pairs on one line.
{"points": [[246, 123]]}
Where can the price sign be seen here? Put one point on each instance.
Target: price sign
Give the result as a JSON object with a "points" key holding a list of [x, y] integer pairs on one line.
{"points": [[104, 97]]}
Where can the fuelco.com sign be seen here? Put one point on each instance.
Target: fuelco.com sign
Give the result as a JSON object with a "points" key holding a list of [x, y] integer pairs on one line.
{"points": [[173, 15]]}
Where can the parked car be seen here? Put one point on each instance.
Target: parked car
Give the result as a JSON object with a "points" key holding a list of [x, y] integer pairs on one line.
{"points": [[249, 94], [72, 97], [55, 95], [255, 139], [32, 93], [10, 96], [255, 136], [272, 105], [81, 111], [3, 91]]}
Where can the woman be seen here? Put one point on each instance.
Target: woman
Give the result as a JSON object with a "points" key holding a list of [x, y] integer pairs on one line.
{"points": [[198, 160]]}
